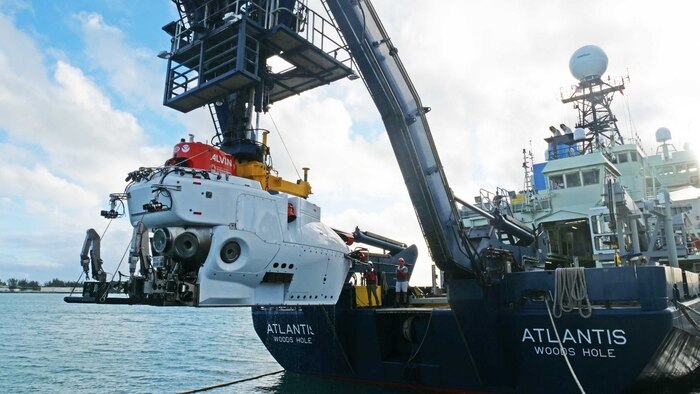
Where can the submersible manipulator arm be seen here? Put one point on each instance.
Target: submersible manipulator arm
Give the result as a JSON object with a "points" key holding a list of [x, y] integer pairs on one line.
{"points": [[90, 256]]}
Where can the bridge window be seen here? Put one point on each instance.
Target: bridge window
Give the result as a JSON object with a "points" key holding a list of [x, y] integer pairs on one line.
{"points": [[556, 181], [634, 156], [622, 157], [667, 170], [573, 179], [603, 242], [590, 177]]}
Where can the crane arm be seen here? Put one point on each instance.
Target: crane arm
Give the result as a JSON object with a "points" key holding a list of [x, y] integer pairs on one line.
{"points": [[407, 127]]}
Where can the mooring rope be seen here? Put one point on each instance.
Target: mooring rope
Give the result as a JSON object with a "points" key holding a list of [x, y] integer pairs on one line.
{"points": [[425, 335], [562, 350], [570, 292], [232, 383], [684, 310], [466, 346], [679, 304], [337, 340]]}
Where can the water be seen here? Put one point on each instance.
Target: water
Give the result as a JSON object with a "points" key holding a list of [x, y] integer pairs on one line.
{"points": [[47, 345]]}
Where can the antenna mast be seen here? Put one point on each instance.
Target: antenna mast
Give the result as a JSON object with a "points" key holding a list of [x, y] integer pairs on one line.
{"points": [[592, 98]]}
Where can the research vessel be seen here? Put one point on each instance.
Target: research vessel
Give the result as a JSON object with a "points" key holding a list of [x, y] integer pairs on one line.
{"points": [[538, 294]]}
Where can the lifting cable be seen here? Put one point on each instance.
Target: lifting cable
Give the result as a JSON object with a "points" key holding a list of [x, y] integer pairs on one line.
{"points": [[103, 297], [562, 350], [283, 144], [76, 283], [106, 228], [116, 271], [232, 383]]}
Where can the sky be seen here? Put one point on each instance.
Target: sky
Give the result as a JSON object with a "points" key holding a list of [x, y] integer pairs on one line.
{"points": [[81, 92]]}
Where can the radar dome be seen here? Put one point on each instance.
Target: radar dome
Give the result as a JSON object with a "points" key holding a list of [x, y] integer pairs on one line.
{"points": [[588, 62], [663, 134]]}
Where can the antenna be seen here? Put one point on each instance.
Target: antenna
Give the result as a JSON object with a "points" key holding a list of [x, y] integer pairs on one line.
{"points": [[588, 62]]}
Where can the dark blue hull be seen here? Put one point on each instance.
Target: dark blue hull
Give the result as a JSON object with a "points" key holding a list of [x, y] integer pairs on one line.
{"points": [[488, 342]]}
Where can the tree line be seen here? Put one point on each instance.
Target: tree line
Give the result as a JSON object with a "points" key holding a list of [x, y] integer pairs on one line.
{"points": [[24, 284]]}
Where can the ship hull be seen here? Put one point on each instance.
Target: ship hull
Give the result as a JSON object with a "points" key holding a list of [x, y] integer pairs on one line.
{"points": [[480, 345]]}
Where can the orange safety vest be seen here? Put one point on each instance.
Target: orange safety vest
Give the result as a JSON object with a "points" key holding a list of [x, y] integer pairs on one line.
{"points": [[402, 274], [371, 277]]}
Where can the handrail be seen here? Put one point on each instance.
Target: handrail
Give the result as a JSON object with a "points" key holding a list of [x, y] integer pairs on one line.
{"points": [[309, 24]]}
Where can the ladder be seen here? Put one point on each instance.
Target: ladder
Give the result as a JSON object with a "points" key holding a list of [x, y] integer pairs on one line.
{"points": [[215, 120]]}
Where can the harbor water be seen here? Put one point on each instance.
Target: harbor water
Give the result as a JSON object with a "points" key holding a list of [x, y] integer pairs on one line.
{"points": [[48, 346]]}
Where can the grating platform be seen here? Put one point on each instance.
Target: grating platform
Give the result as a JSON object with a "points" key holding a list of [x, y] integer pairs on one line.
{"points": [[229, 58], [211, 90], [312, 66]]}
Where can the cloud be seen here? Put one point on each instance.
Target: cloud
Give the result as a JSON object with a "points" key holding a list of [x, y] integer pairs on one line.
{"points": [[12, 7], [347, 168], [67, 147], [132, 73]]}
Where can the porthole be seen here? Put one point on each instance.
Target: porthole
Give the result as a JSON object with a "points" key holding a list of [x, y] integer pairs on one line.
{"points": [[230, 252], [161, 240]]}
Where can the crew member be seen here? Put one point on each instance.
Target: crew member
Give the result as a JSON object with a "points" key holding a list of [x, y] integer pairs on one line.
{"points": [[617, 259], [371, 283], [402, 283], [696, 243]]}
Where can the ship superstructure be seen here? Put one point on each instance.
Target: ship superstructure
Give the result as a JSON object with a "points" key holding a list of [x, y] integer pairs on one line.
{"points": [[599, 195]]}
